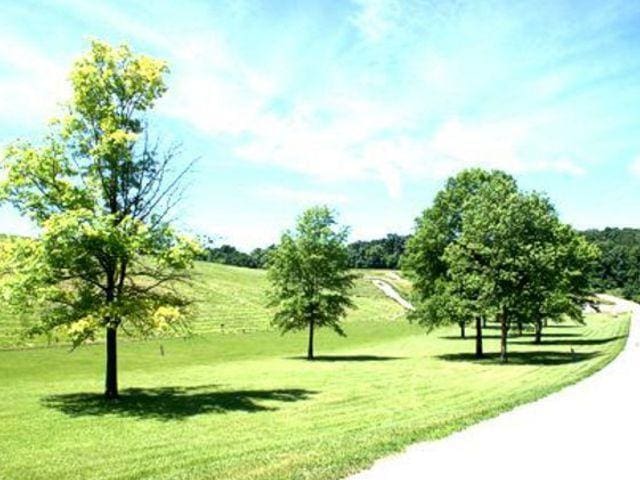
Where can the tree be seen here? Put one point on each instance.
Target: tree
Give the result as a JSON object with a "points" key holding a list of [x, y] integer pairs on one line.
{"points": [[379, 253], [310, 277], [575, 259], [99, 192], [618, 267], [524, 262], [437, 228], [260, 256]]}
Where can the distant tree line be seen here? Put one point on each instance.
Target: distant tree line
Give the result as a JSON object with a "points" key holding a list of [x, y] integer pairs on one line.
{"points": [[618, 267], [378, 253], [230, 255]]}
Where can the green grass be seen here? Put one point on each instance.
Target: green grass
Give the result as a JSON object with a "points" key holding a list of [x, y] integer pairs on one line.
{"points": [[230, 299], [393, 277], [243, 406]]}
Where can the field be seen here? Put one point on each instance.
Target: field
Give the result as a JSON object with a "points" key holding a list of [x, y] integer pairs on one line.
{"points": [[233, 405], [232, 300]]}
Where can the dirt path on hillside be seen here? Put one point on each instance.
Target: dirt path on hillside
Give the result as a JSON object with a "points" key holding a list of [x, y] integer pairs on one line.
{"points": [[588, 430], [392, 293]]}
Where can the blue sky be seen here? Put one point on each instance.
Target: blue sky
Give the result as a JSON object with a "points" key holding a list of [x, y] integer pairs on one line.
{"points": [[366, 105]]}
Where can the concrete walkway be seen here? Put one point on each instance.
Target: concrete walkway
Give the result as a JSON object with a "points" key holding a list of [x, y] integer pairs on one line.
{"points": [[588, 430]]}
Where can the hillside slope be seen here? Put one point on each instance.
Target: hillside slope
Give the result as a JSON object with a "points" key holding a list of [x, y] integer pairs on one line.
{"points": [[229, 300]]}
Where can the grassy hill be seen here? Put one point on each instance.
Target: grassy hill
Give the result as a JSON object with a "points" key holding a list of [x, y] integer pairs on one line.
{"points": [[246, 406], [233, 299], [237, 400]]}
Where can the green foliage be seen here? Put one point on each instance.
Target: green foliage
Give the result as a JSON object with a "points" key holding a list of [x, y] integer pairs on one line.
{"points": [[520, 259], [439, 298], [441, 225], [230, 255], [309, 274], [618, 268], [99, 193], [486, 250], [380, 253]]}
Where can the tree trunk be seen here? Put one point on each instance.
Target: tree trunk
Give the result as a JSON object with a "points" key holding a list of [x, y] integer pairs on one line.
{"points": [[463, 333], [546, 322], [519, 328], [479, 352], [111, 383], [310, 348], [504, 358], [538, 338]]}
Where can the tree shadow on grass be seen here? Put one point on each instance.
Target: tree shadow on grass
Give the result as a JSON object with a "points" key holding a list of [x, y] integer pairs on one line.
{"points": [[472, 337], [172, 403], [564, 325], [348, 358], [576, 341], [524, 358]]}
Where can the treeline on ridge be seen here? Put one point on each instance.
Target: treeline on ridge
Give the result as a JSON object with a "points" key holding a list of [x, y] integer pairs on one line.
{"points": [[379, 253], [617, 270]]}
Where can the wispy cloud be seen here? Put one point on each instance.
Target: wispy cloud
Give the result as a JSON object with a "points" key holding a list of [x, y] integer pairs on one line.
{"points": [[301, 197], [33, 84], [364, 94], [634, 166]]}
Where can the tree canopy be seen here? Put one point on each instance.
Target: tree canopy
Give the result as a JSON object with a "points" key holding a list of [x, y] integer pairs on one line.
{"points": [[99, 192], [439, 298], [230, 255], [486, 249], [618, 268], [309, 275]]}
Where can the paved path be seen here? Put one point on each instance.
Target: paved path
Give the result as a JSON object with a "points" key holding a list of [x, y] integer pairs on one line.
{"points": [[588, 430], [391, 292]]}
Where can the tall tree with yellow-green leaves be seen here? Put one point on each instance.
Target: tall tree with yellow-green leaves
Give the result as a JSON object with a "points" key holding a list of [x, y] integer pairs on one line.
{"points": [[106, 258]]}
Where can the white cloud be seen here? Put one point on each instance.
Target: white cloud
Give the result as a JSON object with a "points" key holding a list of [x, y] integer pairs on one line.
{"points": [[304, 197], [34, 85], [374, 18], [344, 132], [634, 166], [243, 233], [490, 145], [500, 145]]}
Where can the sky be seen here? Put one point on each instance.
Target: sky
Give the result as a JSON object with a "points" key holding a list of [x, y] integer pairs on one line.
{"points": [[367, 106]]}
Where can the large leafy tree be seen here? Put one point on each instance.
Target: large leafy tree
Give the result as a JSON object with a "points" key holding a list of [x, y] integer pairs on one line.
{"points": [[99, 192], [440, 298], [310, 277], [526, 265], [575, 259]]}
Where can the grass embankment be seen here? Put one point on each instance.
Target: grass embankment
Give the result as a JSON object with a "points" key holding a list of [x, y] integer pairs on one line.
{"points": [[237, 406], [231, 300]]}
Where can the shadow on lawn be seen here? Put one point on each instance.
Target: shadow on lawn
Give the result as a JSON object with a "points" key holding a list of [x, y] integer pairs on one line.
{"points": [[471, 336], [347, 358], [577, 341], [524, 358], [495, 326], [172, 403]]}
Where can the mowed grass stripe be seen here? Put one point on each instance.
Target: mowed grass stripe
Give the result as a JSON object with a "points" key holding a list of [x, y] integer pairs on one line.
{"points": [[227, 300], [361, 409]]}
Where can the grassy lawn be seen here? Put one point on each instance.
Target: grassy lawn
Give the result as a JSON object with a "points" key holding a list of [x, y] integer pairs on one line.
{"points": [[243, 406], [232, 300]]}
